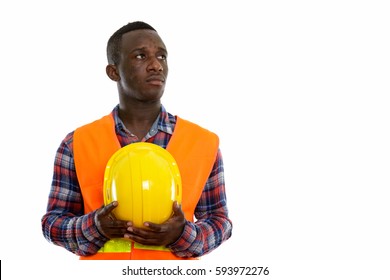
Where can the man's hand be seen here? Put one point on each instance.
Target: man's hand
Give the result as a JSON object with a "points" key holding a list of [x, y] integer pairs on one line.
{"points": [[107, 224], [159, 234]]}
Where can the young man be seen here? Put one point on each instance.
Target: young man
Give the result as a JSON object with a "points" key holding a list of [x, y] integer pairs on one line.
{"points": [[75, 218]]}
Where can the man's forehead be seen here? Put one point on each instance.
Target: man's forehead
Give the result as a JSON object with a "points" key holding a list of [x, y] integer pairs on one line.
{"points": [[142, 38]]}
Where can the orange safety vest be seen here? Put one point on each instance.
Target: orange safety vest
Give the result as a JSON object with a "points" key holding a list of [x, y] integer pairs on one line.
{"points": [[193, 147]]}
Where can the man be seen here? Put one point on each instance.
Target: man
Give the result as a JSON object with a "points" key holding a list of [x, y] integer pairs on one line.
{"points": [[75, 218]]}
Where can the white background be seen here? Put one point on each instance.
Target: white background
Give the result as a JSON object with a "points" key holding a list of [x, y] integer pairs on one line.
{"points": [[298, 92]]}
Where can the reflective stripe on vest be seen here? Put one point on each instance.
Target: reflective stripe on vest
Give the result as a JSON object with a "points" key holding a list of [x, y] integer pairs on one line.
{"points": [[120, 245], [94, 144]]}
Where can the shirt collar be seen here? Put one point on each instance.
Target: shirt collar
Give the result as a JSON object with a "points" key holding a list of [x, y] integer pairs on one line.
{"points": [[164, 122]]}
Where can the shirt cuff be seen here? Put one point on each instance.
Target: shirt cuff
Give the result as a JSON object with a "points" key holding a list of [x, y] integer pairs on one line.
{"points": [[185, 240], [91, 232]]}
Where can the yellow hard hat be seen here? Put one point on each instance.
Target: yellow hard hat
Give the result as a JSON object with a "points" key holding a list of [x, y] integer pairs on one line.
{"points": [[145, 180]]}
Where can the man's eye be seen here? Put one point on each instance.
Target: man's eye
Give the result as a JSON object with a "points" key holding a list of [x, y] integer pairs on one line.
{"points": [[162, 57], [140, 56]]}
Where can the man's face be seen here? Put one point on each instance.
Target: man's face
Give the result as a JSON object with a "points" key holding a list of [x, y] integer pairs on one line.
{"points": [[143, 67]]}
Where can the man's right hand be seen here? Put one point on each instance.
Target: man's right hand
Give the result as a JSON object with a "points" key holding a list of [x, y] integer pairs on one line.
{"points": [[107, 224]]}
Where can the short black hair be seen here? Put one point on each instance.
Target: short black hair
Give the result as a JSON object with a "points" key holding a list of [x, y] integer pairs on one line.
{"points": [[114, 43]]}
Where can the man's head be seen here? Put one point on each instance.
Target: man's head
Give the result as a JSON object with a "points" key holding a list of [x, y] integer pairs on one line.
{"points": [[137, 62], [114, 43]]}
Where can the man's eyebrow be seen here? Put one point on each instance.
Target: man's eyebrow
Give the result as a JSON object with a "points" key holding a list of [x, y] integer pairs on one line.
{"points": [[144, 49]]}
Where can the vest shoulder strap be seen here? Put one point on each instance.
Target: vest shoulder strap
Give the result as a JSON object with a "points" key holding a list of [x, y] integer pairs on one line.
{"points": [[194, 149], [93, 145]]}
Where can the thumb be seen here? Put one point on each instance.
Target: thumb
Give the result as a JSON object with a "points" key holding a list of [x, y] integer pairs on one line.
{"points": [[108, 208], [177, 208]]}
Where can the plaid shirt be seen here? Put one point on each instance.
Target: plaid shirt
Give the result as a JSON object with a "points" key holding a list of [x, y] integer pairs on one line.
{"points": [[66, 225]]}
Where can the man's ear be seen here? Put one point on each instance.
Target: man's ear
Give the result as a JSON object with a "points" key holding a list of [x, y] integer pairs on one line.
{"points": [[112, 72]]}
